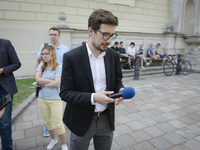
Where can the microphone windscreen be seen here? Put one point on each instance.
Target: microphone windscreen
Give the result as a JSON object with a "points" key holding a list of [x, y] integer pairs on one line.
{"points": [[128, 93]]}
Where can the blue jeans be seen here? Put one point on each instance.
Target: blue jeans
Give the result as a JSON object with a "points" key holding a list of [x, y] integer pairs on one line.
{"points": [[5, 124]]}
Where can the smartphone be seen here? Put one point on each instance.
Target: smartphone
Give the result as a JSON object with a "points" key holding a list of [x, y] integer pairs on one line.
{"points": [[5, 101]]}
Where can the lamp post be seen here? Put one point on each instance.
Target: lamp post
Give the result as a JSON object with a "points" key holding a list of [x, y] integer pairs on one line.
{"points": [[137, 68]]}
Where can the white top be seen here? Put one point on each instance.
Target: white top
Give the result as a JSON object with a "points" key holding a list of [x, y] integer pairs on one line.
{"points": [[131, 50], [99, 76]]}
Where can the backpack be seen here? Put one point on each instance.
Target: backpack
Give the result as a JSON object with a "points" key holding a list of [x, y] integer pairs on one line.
{"points": [[125, 66]]}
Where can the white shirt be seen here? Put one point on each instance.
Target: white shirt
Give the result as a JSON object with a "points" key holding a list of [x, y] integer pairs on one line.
{"points": [[131, 50], [99, 76]]}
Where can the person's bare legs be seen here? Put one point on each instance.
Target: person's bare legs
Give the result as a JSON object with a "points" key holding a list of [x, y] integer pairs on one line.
{"points": [[52, 134], [62, 138], [142, 63], [158, 56], [154, 52], [129, 61], [142, 58], [164, 59]]}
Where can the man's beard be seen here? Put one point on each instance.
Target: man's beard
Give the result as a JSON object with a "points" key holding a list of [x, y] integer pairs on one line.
{"points": [[100, 49]]}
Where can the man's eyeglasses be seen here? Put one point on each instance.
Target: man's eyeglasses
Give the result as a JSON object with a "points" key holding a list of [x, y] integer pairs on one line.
{"points": [[42, 54], [106, 36], [53, 34]]}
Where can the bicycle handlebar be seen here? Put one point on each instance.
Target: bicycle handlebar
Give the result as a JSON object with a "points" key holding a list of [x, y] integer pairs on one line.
{"points": [[172, 54]]}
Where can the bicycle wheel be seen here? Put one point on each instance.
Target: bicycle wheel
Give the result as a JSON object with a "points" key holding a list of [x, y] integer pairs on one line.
{"points": [[168, 68], [186, 67]]}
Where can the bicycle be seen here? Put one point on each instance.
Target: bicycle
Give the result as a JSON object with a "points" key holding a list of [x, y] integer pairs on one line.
{"points": [[184, 66]]}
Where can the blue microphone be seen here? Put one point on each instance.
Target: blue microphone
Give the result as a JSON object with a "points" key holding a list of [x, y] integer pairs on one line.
{"points": [[126, 93]]}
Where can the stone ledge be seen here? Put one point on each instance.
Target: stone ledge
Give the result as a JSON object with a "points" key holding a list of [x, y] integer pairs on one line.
{"points": [[22, 106]]}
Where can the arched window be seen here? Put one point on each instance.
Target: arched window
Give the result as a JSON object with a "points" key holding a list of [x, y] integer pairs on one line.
{"points": [[189, 18]]}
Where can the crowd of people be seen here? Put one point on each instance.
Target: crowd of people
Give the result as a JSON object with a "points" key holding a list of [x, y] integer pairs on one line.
{"points": [[130, 53], [82, 77]]}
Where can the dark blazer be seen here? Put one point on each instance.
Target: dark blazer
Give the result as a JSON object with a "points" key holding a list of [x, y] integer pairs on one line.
{"points": [[9, 62], [77, 87]]}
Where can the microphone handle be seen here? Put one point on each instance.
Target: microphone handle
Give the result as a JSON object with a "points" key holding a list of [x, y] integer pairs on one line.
{"points": [[116, 95]]}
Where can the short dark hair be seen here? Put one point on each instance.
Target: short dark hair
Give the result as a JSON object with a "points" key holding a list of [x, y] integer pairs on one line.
{"points": [[157, 44], [121, 42], [116, 43], [101, 16], [55, 29], [132, 43]]}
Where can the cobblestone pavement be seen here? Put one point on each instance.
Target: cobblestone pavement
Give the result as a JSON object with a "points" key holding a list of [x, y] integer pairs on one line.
{"points": [[163, 115]]}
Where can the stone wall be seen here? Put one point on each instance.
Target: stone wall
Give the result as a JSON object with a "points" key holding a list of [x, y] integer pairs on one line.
{"points": [[26, 23], [144, 16]]}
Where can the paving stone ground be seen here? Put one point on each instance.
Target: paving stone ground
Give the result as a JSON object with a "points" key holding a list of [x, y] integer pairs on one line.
{"points": [[163, 115]]}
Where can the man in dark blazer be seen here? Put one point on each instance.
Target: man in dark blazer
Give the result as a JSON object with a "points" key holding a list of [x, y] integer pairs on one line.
{"points": [[9, 62], [90, 73]]}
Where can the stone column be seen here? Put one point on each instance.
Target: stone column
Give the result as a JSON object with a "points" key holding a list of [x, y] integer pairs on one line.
{"points": [[66, 37], [193, 45]]}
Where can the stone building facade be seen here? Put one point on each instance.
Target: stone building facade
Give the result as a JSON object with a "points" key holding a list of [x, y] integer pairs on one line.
{"points": [[26, 24]]}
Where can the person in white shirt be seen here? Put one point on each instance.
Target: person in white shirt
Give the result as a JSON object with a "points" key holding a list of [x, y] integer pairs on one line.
{"points": [[90, 73], [131, 53]]}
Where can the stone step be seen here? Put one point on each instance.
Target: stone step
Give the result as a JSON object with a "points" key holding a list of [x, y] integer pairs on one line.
{"points": [[143, 73], [146, 71], [150, 70]]}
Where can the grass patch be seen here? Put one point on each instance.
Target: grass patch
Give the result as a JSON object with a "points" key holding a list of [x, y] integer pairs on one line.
{"points": [[23, 91]]}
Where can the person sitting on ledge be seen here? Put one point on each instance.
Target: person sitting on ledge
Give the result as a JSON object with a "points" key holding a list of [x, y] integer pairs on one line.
{"points": [[123, 55], [142, 57], [115, 47], [131, 52], [161, 54], [151, 52]]}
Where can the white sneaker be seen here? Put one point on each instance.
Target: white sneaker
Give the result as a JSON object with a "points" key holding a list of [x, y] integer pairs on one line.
{"points": [[142, 67], [147, 64], [52, 144], [34, 84], [64, 147], [154, 57]]}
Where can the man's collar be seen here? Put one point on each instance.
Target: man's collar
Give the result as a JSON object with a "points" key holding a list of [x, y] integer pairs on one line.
{"points": [[59, 47], [90, 52]]}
